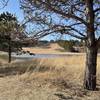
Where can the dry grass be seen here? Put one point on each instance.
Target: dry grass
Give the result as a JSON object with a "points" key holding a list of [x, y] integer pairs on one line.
{"points": [[46, 79], [53, 48]]}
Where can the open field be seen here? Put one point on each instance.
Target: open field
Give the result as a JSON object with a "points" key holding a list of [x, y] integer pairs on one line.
{"points": [[46, 79], [53, 48]]}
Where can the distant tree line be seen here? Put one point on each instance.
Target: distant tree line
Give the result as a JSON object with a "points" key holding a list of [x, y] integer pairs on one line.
{"points": [[69, 45]]}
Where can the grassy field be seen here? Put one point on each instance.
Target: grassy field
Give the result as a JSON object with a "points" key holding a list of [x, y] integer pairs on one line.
{"points": [[46, 79], [52, 48]]}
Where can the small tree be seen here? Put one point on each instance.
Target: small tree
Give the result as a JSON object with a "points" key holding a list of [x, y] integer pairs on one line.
{"points": [[10, 29]]}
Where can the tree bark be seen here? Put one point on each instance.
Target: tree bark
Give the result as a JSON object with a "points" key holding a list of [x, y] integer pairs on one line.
{"points": [[9, 50], [90, 70], [91, 49]]}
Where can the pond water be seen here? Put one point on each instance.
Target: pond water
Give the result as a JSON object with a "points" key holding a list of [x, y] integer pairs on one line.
{"points": [[27, 56]]}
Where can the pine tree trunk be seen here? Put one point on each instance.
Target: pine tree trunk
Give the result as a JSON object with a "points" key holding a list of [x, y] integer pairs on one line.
{"points": [[9, 50], [90, 70]]}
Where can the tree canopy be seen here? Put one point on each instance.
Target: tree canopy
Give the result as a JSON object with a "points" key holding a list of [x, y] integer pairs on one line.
{"points": [[10, 27], [61, 16]]}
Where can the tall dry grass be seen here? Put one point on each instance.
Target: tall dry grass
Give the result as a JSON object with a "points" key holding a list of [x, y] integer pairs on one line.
{"points": [[47, 79]]}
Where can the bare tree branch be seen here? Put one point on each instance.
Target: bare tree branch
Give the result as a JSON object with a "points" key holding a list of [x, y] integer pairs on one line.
{"points": [[4, 4], [96, 10], [67, 15]]}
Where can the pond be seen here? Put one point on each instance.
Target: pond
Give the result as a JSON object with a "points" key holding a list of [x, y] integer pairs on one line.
{"points": [[28, 56]]}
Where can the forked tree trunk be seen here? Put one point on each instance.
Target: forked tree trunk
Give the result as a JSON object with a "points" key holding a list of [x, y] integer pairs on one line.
{"points": [[90, 70]]}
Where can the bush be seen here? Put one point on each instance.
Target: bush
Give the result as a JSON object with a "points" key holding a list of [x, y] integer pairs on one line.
{"points": [[67, 45]]}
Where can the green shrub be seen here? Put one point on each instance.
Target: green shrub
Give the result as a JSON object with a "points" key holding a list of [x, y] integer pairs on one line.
{"points": [[67, 45]]}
